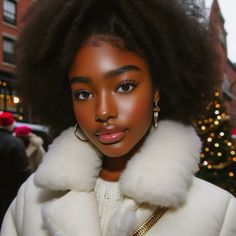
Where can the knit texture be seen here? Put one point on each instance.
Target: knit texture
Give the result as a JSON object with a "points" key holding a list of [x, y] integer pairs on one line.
{"points": [[109, 199]]}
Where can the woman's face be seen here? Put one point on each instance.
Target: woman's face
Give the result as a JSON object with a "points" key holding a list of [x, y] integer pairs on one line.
{"points": [[112, 97]]}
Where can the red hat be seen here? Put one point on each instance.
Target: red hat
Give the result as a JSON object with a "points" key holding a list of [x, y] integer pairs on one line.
{"points": [[6, 119], [233, 131], [22, 130]]}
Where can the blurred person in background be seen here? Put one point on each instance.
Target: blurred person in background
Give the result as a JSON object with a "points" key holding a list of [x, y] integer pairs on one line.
{"points": [[33, 145], [14, 162]]}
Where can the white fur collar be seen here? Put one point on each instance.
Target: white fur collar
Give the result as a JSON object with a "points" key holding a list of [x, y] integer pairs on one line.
{"points": [[159, 174]]}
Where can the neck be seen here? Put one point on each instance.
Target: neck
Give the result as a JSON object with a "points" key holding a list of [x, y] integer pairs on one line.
{"points": [[112, 168]]}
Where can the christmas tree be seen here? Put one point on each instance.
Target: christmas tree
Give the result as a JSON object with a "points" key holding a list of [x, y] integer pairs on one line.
{"points": [[218, 157]]}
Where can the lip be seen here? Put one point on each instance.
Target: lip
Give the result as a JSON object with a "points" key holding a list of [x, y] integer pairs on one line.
{"points": [[110, 134]]}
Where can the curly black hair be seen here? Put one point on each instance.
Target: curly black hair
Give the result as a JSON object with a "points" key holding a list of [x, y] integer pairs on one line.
{"points": [[176, 46]]}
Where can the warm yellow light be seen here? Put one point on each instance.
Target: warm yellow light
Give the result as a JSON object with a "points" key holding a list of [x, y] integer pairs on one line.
{"points": [[217, 105], [229, 144], [219, 117], [207, 149], [209, 166], [216, 145], [232, 152], [202, 155], [4, 84], [231, 174], [234, 158], [217, 112], [203, 127], [209, 139], [219, 154], [216, 122], [222, 134], [217, 94], [16, 100], [205, 163], [20, 117]]}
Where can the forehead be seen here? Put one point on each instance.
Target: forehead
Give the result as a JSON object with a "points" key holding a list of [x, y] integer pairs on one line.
{"points": [[98, 40], [104, 56]]}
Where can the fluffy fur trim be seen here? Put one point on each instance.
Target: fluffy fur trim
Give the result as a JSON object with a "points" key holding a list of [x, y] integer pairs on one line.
{"points": [[162, 171], [124, 221], [69, 164], [72, 214], [159, 174]]}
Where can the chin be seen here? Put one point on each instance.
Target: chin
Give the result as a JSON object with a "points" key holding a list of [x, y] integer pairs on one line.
{"points": [[114, 150], [114, 154]]}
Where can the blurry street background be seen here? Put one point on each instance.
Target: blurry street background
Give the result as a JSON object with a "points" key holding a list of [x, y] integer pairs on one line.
{"points": [[216, 126]]}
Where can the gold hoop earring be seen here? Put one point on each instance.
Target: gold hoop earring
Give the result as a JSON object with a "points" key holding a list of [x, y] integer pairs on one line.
{"points": [[156, 109], [78, 132]]}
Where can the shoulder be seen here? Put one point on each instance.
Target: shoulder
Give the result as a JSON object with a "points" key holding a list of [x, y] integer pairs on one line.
{"points": [[11, 141], [35, 140], [210, 195], [6, 135], [27, 207], [205, 188], [208, 210], [30, 193], [218, 204]]}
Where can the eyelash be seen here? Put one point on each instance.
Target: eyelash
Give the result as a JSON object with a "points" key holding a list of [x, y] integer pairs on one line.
{"points": [[76, 95], [127, 83]]}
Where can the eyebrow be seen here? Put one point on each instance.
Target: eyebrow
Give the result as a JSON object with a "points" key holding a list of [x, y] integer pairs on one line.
{"points": [[121, 70], [109, 74]]}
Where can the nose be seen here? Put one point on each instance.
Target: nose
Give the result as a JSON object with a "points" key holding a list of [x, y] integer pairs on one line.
{"points": [[105, 107]]}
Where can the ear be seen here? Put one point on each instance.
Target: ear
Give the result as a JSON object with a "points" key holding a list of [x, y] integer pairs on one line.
{"points": [[156, 95]]}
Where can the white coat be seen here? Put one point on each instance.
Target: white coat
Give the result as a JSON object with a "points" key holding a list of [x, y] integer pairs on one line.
{"points": [[34, 151], [59, 200]]}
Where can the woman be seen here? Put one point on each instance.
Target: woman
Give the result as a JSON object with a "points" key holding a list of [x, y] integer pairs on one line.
{"points": [[114, 169], [33, 146]]}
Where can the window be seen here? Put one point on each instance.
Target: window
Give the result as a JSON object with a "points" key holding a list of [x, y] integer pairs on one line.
{"points": [[9, 100], [221, 36], [8, 50], [9, 11]]}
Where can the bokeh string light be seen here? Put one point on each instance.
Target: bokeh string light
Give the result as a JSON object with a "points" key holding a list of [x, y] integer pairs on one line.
{"points": [[218, 156]]}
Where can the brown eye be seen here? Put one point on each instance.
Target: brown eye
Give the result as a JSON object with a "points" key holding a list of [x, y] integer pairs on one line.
{"points": [[81, 95], [126, 86]]}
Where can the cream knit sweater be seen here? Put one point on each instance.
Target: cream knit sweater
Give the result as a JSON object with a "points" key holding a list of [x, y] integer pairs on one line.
{"points": [[109, 199]]}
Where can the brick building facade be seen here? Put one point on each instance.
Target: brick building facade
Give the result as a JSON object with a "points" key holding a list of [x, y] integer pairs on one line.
{"points": [[227, 68], [11, 12]]}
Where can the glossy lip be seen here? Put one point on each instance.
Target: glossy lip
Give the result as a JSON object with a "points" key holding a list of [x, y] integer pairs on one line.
{"points": [[110, 134]]}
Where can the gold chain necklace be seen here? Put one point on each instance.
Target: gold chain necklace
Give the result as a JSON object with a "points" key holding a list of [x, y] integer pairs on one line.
{"points": [[147, 225]]}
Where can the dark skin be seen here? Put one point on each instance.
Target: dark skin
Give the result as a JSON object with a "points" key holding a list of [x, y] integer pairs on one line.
{"points": [[113, 101], [113, 168]]}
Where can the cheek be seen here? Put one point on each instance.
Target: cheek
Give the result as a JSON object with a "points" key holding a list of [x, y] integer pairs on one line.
{"points": [[136, 111], [83, 115]]}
